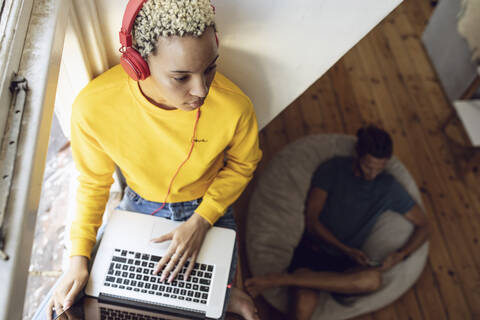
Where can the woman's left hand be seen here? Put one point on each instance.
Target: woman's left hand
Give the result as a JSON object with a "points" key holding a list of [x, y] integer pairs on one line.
{"points": [[187, 240]]}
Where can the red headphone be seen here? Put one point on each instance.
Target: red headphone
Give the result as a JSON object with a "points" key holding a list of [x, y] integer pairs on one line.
{"points": [[131, 60]]}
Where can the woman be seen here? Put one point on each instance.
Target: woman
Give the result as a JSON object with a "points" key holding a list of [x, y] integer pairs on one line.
{"points": [[184, 137]]}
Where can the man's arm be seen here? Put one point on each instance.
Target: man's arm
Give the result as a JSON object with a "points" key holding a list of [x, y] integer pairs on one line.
{"points": [[418, 237], [315, 203]]}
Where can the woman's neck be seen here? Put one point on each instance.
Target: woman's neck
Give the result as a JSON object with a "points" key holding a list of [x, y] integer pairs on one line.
{"points": [[151, 94]]}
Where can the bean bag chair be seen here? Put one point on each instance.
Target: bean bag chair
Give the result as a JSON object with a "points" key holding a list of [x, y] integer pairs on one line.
{"points": [[275, 224]]}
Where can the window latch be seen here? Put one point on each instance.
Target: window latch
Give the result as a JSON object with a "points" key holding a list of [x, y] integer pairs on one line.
{"points": [[8, 150]]}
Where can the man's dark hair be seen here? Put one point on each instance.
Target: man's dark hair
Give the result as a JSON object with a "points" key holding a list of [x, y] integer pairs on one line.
{"points": [[374, 141]]}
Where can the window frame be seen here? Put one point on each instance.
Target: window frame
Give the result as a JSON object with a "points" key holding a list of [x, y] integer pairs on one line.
{"points": [[33, 49]]}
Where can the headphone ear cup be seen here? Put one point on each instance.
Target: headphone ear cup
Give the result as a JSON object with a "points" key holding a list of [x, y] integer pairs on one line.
{"points": [[134, 65]]}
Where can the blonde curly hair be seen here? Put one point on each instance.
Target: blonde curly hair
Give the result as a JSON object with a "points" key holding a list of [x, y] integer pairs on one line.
{"points": [[165, 18]]}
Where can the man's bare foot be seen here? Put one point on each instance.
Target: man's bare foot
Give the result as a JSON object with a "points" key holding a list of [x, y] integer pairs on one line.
{"points": [[242, 304], [256, 285]]}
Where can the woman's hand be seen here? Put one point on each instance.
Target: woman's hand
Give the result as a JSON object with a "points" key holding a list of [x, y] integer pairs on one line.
{"points": [[187, 240], [359, 256], [72, 282]]}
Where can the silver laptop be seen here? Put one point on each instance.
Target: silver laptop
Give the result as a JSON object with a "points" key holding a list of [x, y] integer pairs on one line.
{"points": [[122, 269]]}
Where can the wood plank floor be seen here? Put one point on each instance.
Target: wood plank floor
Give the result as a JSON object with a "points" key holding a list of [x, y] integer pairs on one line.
{"points": [[387, 79]]}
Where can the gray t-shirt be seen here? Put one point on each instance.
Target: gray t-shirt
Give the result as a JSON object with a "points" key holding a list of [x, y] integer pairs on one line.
{"points": [[353, 204]]}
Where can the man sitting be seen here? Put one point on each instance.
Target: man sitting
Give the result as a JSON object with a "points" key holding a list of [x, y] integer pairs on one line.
{"points": [[346, 197]]}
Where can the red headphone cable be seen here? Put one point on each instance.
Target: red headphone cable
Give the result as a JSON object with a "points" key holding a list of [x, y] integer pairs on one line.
{"points": [[181, 165]]}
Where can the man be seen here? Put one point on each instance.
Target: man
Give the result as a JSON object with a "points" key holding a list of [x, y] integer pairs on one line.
{"points": [[346, 197]]}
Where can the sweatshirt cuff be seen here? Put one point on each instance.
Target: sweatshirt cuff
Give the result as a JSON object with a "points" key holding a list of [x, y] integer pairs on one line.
{"points": [[81, 247], [209, 211]]}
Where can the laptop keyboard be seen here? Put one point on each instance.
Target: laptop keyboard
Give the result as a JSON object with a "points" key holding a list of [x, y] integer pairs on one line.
{"points": [[112, 314], [132, 271]]}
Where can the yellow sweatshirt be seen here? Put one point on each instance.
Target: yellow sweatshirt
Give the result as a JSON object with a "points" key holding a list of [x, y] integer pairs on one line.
{"points": [[113, 123]]}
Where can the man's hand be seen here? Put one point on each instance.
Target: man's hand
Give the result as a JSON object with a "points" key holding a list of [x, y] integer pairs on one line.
{"points": [[70, 286], [391, 260], [186, 242], [359, 256]]}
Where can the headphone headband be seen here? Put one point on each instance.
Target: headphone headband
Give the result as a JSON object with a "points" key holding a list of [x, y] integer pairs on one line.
{"points": [[133, 8]]}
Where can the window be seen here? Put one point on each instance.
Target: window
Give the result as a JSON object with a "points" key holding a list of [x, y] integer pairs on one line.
{"points": [[31, 43]]}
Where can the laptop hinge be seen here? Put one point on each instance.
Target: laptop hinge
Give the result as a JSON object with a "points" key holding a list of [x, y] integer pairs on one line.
{"points": [[150, 306]]}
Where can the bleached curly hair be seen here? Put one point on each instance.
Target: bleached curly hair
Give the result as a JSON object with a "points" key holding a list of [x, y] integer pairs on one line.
{"points": [[170, 18]]}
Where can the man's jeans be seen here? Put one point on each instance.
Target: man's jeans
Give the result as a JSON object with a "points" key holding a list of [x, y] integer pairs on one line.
{"points": [[177, 211]]}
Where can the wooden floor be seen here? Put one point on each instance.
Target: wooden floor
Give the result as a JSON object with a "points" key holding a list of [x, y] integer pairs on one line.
{"points": [[387, 79]]}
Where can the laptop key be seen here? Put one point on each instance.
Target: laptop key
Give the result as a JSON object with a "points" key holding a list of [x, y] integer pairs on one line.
{"points": [[121, 287], [210, 268], [118, 273], [146, 278], [144, 263], [166, 295], [124, 274], [114, 285], [110, 279], [181, 284], [146, 271], [151, 265], [181, 298], [139, 270], [196, 300], [176, 290], [195, 287], [158, 293], [119, 280], [203, 267], [148, 285], [205, 282], [140, 284], [119, 259], [124, 253], [133, 283], [131, 275], [204, 296], [188, 286], [169, 289], [203, 301], [155, 258], [197, 294], [126, 282], [145, 256], [137, 255], [136, 289], [208, 275], [143, 291], [173, 296], [130, 261], [131, 269], [129, 288], [139, 277], [155, 287], [151, 292], [195, 280], [188, 299], [137, 262], [125, 267]]}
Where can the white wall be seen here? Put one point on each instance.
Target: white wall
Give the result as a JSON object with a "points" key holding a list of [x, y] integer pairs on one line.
{"points": [[272, 49]]}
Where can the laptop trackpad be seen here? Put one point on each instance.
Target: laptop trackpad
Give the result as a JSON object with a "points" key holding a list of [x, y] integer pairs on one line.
{"points": [[160, 228]]}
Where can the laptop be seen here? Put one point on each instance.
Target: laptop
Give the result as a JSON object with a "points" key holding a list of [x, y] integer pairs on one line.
{"points": [[94, 309], [122, 269]]}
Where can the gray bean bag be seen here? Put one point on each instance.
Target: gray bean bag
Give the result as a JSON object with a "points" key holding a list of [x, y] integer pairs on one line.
{"points": [[275, 224]]}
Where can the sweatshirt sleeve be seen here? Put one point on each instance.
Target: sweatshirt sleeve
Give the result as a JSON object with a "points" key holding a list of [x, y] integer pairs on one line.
{"points": [[242, 157], [95, 179]]}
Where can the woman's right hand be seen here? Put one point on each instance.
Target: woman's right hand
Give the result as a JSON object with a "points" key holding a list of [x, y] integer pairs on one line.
{"points": [[72, 282]]}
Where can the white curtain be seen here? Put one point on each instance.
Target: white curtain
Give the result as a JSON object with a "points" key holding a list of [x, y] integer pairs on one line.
{"points": [[84, 57]]}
